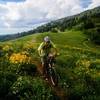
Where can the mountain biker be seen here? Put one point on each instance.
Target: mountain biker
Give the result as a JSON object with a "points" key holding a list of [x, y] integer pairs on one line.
{"points": [[44, 49]]}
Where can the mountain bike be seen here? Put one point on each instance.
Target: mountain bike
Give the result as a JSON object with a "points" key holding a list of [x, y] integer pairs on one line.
{"points": [[50, 70]]}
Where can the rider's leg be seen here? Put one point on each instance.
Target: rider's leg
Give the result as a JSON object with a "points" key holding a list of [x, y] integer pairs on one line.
{"points": [[43, 66], [42, 61]]}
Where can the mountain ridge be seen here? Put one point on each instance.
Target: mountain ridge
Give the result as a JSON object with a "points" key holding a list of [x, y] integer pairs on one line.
{"points": [[75, 21]]}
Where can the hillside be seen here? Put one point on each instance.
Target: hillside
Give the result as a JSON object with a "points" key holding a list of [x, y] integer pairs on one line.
{"points": [[77, 39], [76, 20], [89, 19], [78, 68]]}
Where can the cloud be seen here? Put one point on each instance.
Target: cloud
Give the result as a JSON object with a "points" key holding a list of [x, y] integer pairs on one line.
{"points": [[30, 10], [27, 13], [94, 3], [21, 13]]}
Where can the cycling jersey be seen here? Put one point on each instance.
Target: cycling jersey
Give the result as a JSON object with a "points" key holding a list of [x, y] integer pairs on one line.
{"points": [[45, 48]]}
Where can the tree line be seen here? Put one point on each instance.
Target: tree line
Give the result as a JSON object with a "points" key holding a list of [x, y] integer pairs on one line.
{"points": [[88, 22]]}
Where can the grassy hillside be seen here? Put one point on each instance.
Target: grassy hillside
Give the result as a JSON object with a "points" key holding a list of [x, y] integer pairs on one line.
{"points": [[78, 68], [84, 21]]}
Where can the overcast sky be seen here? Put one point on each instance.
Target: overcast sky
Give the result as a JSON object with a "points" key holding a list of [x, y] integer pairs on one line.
{"points": [[22, 15]]}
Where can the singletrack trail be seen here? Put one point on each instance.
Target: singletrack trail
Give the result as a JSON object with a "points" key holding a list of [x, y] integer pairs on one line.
{"points": [[58, 91]]}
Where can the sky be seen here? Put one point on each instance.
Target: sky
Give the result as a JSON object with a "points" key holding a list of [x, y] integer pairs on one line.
{"points": [[22, 15]]}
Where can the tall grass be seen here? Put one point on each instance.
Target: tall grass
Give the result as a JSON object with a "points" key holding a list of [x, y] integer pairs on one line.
{"points": [[78, 67]]}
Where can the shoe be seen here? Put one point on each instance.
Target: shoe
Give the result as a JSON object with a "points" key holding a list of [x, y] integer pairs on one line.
{"points": [[46, 79]]}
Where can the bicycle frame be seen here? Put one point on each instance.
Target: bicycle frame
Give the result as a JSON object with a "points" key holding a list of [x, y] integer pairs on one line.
{"points": [[50, 61]]}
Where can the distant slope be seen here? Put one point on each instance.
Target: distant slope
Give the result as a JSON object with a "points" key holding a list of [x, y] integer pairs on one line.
{"points": [[14, 36], [77, 65], [70, 39], [77, 22]]}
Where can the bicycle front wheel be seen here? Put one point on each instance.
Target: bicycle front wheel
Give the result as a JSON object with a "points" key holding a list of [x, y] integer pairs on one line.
{"points": [[53, 77]]}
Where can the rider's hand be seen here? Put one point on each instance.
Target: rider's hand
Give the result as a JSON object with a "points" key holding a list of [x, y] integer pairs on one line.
{"points": [[41, 55], [58, 54]]}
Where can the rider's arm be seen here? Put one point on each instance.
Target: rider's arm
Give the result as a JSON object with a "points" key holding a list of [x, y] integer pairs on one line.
{"points": [[54, 46], [40, 48]]}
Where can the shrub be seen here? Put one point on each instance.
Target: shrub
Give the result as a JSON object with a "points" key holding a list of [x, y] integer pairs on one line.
{"points": [[29, 48], [21, 64], [54, 30], [91, 97], [6, 81], [36, 89], [95, 64], [94, 35], [77, 91], [29, 69]]}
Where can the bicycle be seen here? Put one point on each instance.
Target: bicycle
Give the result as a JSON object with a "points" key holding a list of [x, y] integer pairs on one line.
{"points": [[50, 70]]}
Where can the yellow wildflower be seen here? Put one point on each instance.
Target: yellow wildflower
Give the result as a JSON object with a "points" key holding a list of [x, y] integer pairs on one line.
{"points": [[18, 58]]}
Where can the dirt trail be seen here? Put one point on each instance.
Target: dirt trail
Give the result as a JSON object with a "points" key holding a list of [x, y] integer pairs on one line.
{"points": [[59, 92]]}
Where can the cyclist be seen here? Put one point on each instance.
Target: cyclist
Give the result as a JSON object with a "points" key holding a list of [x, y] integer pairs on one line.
{"points": [[44, 49]]}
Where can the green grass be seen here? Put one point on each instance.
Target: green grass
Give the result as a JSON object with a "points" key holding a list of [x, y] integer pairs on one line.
{"points": [[69, 38], [68, 42], [77, 65]]}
